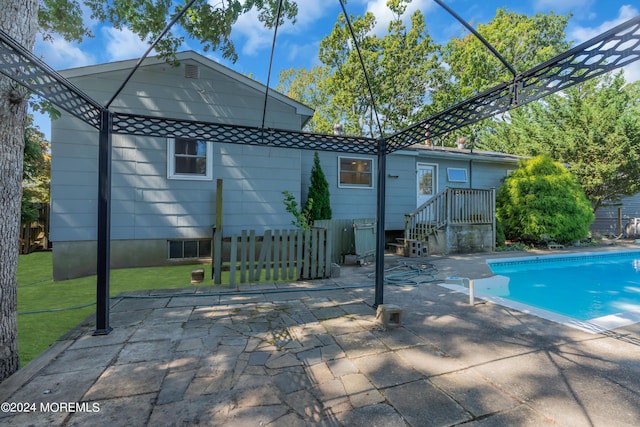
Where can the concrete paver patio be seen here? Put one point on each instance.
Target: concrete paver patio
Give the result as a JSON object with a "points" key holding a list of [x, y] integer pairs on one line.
{"points": [[314, 354]]}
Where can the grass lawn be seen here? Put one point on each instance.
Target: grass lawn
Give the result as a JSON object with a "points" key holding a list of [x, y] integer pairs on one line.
{"points": [[38, 292]]}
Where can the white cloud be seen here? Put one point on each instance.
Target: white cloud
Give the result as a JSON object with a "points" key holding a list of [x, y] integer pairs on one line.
{"points": [[582, 34], [256, 37], [60, 54], [122, 44], [384, 15], [309, 12]]}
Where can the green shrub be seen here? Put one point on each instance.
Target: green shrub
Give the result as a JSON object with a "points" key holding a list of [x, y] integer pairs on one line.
{"points": [[542, 202], [301, 217], [320, 206], [500, 238]]}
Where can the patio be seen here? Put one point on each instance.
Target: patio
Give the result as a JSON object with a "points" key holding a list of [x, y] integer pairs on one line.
{"points": [[312, 353]]}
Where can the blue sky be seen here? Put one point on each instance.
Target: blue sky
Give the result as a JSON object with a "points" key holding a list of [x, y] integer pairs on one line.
{"points": [[297, 45]]}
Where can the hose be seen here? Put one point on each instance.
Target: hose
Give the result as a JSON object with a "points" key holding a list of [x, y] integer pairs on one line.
{"points": [[409, 274]]}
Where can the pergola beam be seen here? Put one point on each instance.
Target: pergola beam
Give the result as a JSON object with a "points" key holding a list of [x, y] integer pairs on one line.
{"points": [[25, 68], [129, 124], [613, 49]]}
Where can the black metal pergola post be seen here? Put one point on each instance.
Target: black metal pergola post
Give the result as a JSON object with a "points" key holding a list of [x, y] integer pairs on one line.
{"points": [[104, 224], [380, 217]]}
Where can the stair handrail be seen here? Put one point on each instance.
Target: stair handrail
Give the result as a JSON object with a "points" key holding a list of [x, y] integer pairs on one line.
{"points": [[438, 205], [477, 206]]}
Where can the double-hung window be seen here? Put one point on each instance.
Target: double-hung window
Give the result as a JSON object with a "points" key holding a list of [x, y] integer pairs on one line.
{"points": [[189, 159]]}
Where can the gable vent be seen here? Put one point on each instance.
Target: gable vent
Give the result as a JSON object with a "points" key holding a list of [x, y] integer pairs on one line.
{"points": [[191, 71]]}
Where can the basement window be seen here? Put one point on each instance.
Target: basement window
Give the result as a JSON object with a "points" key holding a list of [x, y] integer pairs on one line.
{"points": [[189, 249]]}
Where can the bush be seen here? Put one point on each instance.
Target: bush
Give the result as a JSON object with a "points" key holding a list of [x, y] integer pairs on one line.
{"points": [[542, 202], [320, 207], [500, 238]]}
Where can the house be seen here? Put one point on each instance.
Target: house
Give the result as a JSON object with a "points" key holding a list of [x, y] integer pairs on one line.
{"points": [[619, 218], [164, 190]]}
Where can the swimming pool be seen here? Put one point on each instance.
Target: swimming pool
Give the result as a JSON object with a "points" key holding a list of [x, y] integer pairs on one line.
{"points": [[593, 291]]}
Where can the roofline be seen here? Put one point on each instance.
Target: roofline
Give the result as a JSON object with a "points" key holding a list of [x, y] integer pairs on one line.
{"points": [[459, 154], [128, 64]]}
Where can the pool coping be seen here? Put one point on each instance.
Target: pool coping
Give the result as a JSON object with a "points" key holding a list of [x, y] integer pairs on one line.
{"points": [[595, 325]]}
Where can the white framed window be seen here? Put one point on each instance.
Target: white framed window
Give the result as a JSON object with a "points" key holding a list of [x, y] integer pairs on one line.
{"points": [[355, 172], [456, 175], [189, 159]]}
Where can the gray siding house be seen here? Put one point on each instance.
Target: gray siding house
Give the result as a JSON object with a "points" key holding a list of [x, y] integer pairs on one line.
{"points": [[617, 218], [164, 189], [414, 175]]}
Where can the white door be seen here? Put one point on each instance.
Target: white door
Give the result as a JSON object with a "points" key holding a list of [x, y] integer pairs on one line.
{"points": [[426, 182]]}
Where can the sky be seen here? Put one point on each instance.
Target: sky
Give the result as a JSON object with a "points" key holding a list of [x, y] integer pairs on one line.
{"points": [[297, 45]]}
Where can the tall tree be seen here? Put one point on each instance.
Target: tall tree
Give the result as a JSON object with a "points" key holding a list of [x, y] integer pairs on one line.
{"points": [[36, 174], [18, 18], [594, 128], [320, 206], [406, 68], [523, 41], [22, 19], [401, 68]]}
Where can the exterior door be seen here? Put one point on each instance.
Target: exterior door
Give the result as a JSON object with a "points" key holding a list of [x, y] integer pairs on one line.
{"points": [[426, 182]]}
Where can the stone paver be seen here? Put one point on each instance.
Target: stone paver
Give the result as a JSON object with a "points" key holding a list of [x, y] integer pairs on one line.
{"points": [[319, 358]]}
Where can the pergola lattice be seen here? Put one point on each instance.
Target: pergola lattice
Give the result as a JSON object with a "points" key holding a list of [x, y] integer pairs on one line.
{"points": [[613, 49]]}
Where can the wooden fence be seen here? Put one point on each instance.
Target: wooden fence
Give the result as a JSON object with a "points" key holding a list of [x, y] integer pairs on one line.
{"points": [[279, 254], [35, 235], [343, 236]]}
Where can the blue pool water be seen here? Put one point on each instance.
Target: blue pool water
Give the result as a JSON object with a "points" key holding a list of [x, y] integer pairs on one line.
{"points": [[580, 286]]}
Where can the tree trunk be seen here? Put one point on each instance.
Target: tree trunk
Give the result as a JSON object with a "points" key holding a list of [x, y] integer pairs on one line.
{"points": [[19, 19]]}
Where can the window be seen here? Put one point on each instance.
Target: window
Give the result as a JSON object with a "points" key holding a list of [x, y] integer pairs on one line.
{"points": [[355, 172], [456, 175], [179, 249], [189, 159]]}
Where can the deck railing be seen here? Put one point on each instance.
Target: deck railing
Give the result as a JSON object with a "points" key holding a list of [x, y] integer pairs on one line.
{"points": [[450, 206]]}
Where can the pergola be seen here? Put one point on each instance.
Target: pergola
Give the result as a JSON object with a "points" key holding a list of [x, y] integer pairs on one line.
{"points": [[613, 49]]}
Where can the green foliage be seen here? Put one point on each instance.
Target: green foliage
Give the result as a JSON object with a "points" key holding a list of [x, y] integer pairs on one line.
{"points": [[523, 41], [320, 206], [408, 79], [541, 202], [593, 127], [500, 237], [301, 216], [208, 22], [401, 68], [36, 172], [62, 17]]}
